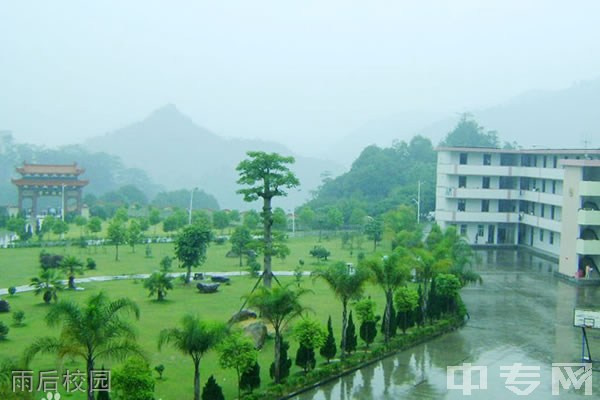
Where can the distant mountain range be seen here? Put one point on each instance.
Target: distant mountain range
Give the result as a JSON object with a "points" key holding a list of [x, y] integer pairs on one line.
{"points": [[177, 154], [567, 118]]}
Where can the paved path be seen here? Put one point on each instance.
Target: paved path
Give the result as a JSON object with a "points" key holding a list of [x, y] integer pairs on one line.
{"points": [[28, 288]]}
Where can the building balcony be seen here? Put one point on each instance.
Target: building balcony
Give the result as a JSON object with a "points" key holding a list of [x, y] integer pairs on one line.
{"points": [[539, 222], [539, 197], [588, 247], [588, 217], [479, 217], [589, 188], [499, 170]]}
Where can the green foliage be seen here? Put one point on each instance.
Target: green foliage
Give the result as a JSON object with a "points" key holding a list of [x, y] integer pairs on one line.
{"points": [[351, 340], [374, 231], [468, 133], [12, 290], [195, 338], [133, 380], [94, 225], [48, 260], [158, 284], [175, 221], [4, 306], [407, 301], [90, 263], [71, 265], [309, 333], [251, 219], [285, 364], [48, 283], [117, 234], [220, 219], [134, 234], [18, 317], [305, 358], [266, 175], [190, 247], [368, 332], [98, 327], [237, 352], [365, 309], [160, 368], [250, 379], [212, 390], [329, 348], [165, 264], [320, 253], [4, 329]]}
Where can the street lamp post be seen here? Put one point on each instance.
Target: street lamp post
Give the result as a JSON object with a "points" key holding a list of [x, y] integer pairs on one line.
{"points": [[191, 205], [62, 211], [418, 202]]}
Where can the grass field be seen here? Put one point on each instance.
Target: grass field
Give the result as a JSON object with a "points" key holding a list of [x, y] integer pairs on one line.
{"points": [[17, 266]]}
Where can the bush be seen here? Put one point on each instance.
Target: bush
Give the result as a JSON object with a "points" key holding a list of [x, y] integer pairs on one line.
{"points": [[4, 306], [18, 318], [90, 263], [12, 290], [212, 390], [133, 380], [3, 330]]}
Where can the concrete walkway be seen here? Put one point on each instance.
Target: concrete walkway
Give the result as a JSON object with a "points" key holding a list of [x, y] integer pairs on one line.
{"points": [[29, 288]]}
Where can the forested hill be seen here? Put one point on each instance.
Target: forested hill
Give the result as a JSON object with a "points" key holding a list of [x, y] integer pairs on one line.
{"points": [[105, 172], [381, 179]]}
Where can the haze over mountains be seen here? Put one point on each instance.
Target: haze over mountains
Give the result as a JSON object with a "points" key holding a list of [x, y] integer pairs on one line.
{"points": [[177, 154], [559, 118]]}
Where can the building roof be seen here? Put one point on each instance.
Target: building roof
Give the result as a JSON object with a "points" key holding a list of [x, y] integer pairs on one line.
{"points": [[68, 169], [49, 183], [580, 163], [518, 151]]}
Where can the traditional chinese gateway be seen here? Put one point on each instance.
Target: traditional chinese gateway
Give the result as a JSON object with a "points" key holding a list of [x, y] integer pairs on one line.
{"points": [[50, 180]]}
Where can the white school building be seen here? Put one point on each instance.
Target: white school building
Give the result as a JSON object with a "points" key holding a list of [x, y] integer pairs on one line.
{"points": [[547, 200]]}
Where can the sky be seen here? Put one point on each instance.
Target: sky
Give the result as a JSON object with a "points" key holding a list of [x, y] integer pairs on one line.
{"points": [[303, 73]]}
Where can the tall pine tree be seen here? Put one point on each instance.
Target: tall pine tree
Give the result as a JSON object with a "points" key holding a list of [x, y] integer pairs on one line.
{"points": [[351, 340], [305, 358], [329, 349]]}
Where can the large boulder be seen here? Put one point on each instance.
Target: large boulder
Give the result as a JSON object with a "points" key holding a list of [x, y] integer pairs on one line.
{"points": [[220, 279], [242, 316], [258, 332], [208, 287], [4, 306]]}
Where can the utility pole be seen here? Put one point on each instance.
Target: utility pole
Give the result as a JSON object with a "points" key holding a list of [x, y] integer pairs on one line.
{"points": [[191, 205], [418, 202]]}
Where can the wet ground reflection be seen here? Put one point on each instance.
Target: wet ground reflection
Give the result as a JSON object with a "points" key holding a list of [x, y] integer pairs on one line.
{"points": [[521, 314]]}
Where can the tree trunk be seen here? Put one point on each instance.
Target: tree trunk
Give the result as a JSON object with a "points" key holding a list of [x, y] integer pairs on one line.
{"points": [[90, 368], [276, 370], [267, 224], [388, 314], [196, 379], [344, 326], [71, 282], [117, 252], [188, 274]]}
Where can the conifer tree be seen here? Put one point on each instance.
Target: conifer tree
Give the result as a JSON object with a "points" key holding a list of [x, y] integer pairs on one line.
{"points": [[285, 363], [305, 358], [212, 390], [250, 379], [329, 349], [351, 339]]}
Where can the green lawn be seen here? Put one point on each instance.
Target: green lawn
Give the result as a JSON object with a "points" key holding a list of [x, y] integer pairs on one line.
{"points": [[17, 266]]}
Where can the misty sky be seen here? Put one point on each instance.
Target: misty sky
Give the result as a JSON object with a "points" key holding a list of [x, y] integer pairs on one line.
{"points": [[293, 71]]}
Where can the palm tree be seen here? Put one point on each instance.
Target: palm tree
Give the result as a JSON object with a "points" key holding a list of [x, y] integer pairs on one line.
{"points": [[195, 338], [72, 265], [49, 283], [346, 286], [278, 306], [389, 273], [158, 283], [97, 330]]}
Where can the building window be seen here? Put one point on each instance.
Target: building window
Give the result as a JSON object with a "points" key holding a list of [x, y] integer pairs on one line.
{"points": [[463, 230], [541, 235], [461, 205], [480, 230], [487, 159], [486, 182], [551, 238], [534, 161], [462, 181], [552, 211], [463, 158], [553, 187], [543, 186], [545, 161], [485, 205], [542, 210], [555, 162]]}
